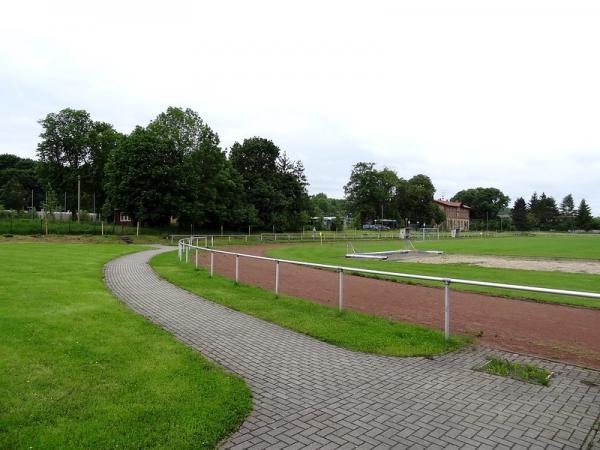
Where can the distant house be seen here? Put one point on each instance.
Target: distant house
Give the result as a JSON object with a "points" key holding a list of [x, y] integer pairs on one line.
{"points": [[121, 218], [457, 215]]}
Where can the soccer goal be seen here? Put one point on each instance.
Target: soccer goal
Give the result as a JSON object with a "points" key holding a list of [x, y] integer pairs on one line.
{"points": [[426, 234]]}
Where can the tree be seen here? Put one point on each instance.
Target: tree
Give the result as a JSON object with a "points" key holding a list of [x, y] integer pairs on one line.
{"points": [[543, 211], [321, 205], [568, 213], [144, 178], [17, 175], [567, 206], [273, 184], [421, 207], [13, 195], [73, 145], [584, 218], [519, 215], [485, 203], [371, 193]]}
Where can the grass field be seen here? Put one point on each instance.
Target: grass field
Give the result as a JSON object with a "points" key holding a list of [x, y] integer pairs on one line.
{"points": [[545, 246], [352, 330], [564, 246], [80, 370]]}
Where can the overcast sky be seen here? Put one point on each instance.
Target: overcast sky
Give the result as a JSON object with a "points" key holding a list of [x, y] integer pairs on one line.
{"points": [[503, 94]]}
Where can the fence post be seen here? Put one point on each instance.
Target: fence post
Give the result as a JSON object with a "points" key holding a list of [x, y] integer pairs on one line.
{"points": [[212, 241], [277, 277], [196, 258], [212, 264], [237, 268], [446, 309], [179, 251], [341, 290], [187, 252]]}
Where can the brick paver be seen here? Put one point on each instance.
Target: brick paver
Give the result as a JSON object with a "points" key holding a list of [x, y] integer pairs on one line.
{"points": [[308, 394]]}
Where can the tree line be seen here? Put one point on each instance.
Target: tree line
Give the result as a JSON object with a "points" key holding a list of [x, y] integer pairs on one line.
{"points": [[544, 214], [174, 169]]}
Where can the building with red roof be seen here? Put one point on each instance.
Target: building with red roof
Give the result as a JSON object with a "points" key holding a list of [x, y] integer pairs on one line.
{"points": [[457, 215]]}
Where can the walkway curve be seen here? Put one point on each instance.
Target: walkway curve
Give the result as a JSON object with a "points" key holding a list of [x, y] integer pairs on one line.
{"points": [[309, 394]]}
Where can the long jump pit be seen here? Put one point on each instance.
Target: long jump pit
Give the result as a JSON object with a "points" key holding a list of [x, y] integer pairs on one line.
{"points": [[565, 333]]}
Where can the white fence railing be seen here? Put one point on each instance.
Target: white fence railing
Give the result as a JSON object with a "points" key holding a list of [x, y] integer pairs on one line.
{"points": [[329, 236], [186, 245]]}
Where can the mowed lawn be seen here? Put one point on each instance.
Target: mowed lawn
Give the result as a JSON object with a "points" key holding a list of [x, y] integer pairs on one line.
{"points": [[333, 253], [560, 246], [80, 370]]}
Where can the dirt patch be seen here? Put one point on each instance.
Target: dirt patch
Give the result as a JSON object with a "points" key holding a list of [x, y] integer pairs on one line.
{"points": [[506, 262], [553, 331]]}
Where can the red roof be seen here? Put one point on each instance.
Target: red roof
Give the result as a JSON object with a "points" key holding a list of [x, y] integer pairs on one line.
{"points": [[452, 204]]}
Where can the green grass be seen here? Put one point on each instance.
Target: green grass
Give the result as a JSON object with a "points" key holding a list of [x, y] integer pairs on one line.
{"points": [[545, 246], [517, 371], [80, 370], [351, 330], [333, 253]]}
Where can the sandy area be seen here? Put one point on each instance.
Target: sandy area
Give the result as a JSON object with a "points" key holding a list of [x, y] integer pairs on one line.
{"points": [[509, 262]]}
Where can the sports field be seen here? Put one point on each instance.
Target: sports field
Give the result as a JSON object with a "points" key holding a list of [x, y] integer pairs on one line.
{"points": [[539, 247]]}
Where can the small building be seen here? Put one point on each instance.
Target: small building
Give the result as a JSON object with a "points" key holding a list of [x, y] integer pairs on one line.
{"points": [[121, 218], [457, 215]]}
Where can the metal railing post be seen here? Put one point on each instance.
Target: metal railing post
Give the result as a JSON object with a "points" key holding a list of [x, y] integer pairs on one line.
{"points": [[212, 264], [277, 277], [196, 258], [237, 268], [446, 309], [187, 252], [212, 241], [179, 251], [341, 290]]}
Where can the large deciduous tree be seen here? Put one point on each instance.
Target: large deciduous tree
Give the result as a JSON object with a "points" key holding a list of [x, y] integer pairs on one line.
{"points": [[73, 145], [18, 178], [274, 185], [372, 194], [174, 168], [485, 203]]}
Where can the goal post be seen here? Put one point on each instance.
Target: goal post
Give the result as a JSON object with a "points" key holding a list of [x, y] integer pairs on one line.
{"points": [[429, 234]]}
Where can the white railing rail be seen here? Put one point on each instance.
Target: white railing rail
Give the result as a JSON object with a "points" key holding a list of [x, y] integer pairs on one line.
{"points": [[187, 244]]}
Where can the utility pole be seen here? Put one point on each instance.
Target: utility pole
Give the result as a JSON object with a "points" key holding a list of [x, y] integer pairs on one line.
{"points": [[78, 197]]}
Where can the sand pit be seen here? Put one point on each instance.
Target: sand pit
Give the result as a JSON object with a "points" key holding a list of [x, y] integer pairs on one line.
{"points": [[509, 262]]}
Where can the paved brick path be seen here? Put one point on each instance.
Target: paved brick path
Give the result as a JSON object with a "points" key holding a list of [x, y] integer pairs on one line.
{"points": [[308, 394]]}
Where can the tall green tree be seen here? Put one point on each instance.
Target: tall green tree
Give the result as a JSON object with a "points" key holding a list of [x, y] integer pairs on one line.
{"points": [[18, 175], [567, 206], [13, 195], [485, 203], [519, 215], [544, 211], [273, 184], [144, 178], [213, 190], [371, 192], [420, 200], [584, 219], [73, 145]]}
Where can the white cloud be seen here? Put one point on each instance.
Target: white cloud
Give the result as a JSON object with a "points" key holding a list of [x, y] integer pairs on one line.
{"points": [[480, 93]]}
